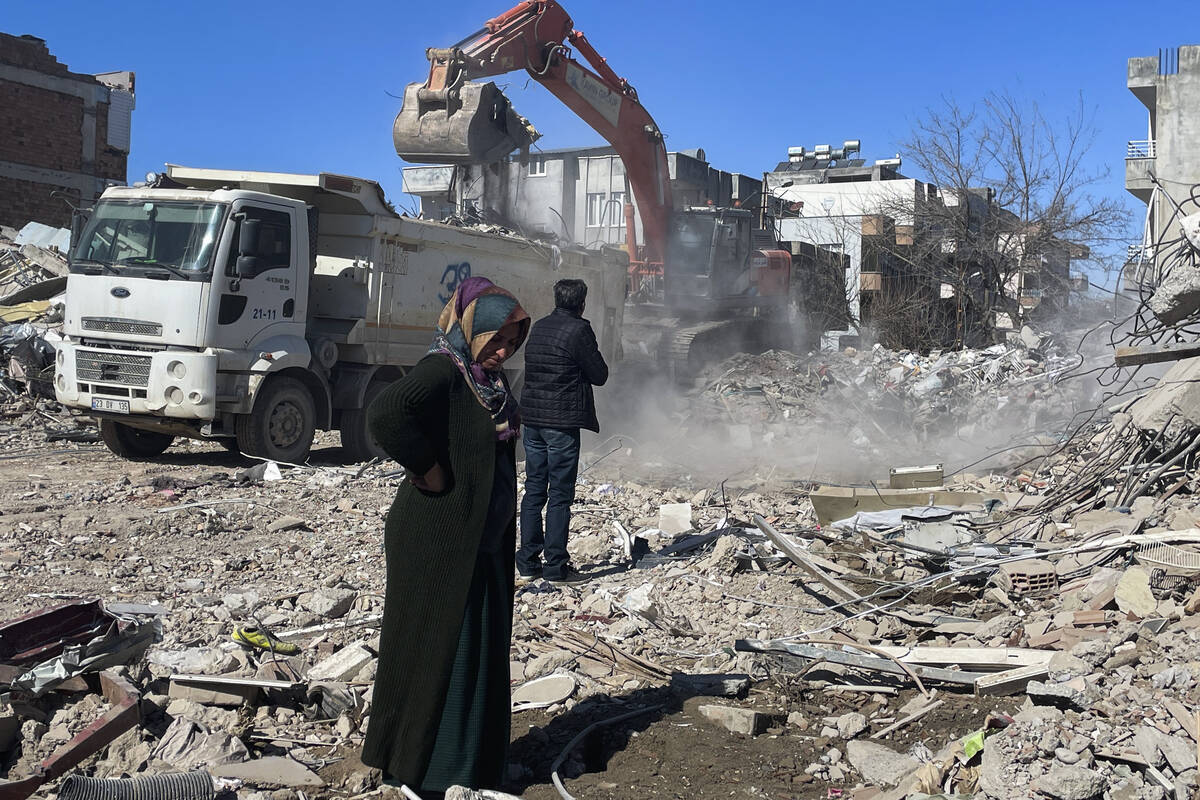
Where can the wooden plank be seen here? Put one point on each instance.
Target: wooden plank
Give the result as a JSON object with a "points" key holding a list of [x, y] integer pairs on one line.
{"points": [[1010, 681], [836, 656], [980, 657], [1154, 353], [1184, 717], [800, 559], [916, 715]]}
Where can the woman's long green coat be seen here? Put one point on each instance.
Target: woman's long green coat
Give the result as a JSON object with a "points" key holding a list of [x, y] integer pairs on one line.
{"points": [[431, 541]]}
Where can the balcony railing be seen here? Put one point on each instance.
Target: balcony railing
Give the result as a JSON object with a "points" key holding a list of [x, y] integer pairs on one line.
{"points": [[1140, 148]]}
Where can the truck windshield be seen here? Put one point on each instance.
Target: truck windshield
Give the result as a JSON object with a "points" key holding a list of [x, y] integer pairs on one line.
{"points": [[175, 237]]}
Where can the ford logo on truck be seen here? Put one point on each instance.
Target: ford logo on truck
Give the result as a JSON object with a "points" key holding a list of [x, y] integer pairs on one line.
{"points": [[119, 291]]}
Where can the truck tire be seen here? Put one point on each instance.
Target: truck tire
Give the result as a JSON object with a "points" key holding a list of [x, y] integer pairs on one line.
{"points": [[282, 423], [133, 443], [357, 441]]}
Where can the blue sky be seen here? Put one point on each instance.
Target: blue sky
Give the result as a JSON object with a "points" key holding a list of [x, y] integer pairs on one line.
{"points": [[307, 86]]}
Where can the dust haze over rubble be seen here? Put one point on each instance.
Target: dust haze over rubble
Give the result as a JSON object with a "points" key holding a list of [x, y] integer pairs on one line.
{"points": [[847, 416]]}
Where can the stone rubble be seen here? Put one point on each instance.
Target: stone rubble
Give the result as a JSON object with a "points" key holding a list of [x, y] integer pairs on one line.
{"points": [[1111, 715]]}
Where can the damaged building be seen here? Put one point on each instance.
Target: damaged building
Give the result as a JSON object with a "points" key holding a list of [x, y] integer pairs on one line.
{"points": [[911, 278], [575, 194], [64, 136], [1160, 169]]}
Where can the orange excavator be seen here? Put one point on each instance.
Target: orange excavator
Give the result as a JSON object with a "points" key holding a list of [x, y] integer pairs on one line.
{"points": [[719, 295]]}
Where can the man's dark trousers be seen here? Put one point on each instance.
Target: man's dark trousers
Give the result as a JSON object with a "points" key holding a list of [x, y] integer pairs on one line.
{"points": [[551, 466]]}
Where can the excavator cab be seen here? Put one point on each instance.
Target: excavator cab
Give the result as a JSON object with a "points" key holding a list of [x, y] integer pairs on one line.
{"points": [[463, 122], [712, 265]]}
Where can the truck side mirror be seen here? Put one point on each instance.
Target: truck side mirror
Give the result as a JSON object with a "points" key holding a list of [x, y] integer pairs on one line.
{"points": [[248, 260], [248, 232]]}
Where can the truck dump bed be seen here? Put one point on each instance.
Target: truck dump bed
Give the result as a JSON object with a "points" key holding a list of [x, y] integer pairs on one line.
{"points": [[380, 279]]}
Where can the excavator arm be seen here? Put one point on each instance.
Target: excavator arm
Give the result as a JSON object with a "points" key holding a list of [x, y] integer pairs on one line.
{"points": [[451, 119]]}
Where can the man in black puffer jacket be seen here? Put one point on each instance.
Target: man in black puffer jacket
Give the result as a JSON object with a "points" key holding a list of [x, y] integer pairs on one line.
{"points": [[562, 364]]}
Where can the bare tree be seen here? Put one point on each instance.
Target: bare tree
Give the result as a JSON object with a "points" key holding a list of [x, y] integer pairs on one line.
{"points": [[1014, 202]]}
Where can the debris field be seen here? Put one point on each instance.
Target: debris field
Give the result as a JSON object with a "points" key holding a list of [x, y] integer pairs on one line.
{"points": [[1026, 632]]}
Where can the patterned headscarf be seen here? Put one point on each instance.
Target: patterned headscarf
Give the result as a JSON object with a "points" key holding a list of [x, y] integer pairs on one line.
{"points": [[478, 309]]}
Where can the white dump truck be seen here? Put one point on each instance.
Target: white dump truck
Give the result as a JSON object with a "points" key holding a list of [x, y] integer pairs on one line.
{"points": [[256, 308]]}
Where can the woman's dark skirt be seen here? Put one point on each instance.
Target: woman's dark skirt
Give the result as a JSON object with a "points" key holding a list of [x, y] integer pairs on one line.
{"points": [[471, 748]]}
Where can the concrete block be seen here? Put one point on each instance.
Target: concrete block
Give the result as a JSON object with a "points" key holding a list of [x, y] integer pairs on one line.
{"points": [[342, 665], [738, 720], [877, 764], [675, 518], [329, 603], [1133, 594], [1177, 392], [1178, 296]]}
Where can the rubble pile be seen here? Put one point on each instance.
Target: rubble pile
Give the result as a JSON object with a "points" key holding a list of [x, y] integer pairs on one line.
{"points": [[882, 402], [978, 645], [33, 279]]}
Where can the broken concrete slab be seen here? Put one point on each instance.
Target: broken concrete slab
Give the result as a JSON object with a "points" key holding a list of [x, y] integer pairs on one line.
{"points": [[1070, 783], [1178, 296], [851, 724], [270, 771], [329, 603], [1173, 404], [877, 764], [1068, 695], [342, 665], [746, 721], [1133, 593], [675, 518]]}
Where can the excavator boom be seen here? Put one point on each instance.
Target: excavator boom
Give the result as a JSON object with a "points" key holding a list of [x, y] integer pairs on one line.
{"points": [[453, 119]]}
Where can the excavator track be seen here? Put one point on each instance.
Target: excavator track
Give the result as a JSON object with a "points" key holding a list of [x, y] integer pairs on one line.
{"points": [[687, 351]]}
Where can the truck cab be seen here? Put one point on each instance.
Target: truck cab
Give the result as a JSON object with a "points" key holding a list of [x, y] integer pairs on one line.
{"points": [[175, 298]]}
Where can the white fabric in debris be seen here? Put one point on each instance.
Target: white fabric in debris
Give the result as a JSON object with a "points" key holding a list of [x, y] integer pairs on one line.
{"points": [[881, 520]]}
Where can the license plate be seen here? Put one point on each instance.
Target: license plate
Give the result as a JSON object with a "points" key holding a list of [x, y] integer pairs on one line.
{"points": [[112, 406]]}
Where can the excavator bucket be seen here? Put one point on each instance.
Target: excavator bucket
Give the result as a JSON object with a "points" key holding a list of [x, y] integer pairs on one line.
{"points": [[472, 124]]}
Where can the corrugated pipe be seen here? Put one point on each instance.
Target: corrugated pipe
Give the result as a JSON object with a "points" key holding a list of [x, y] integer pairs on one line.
{"points": [[196, 785]]}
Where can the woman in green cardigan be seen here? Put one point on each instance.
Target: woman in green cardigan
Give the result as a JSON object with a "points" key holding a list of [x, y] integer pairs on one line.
{"points": [[440, 711]]}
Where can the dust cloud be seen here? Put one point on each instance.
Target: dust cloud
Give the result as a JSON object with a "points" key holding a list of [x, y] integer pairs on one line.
{"points": [[847, 417]]}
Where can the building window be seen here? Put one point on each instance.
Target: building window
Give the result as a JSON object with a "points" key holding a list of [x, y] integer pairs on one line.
{"points": [[616, 210], [595, 209], [536, 165]]}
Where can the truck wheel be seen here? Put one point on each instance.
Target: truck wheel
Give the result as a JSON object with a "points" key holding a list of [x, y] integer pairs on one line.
{"points": [[133, 443], [282, 424], [357, 440]]}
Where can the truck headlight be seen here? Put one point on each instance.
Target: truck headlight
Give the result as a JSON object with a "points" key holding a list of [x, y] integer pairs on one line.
{"points": [[196, 397], [174, 395], [177, 370]]}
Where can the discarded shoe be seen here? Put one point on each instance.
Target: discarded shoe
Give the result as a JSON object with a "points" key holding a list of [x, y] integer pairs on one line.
{"points": [[257, 639]]}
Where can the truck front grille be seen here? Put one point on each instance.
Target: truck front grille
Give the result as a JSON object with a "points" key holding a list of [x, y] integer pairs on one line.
{"points": [[123, 369], [132, 327]]}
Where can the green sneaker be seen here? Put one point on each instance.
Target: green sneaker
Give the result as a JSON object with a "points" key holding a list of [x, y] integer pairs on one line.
{"points": [[256, 639]]}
